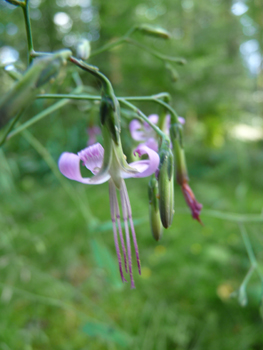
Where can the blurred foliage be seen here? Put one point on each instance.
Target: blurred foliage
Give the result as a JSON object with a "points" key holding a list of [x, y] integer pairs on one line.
{"points": [[59, 286]]}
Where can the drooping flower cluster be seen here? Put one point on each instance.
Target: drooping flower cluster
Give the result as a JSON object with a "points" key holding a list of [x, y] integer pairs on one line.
{"points": [[109, 164], [143, 132], [92, 157]]}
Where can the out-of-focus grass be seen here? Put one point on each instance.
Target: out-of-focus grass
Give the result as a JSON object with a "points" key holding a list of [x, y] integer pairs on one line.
{"points": [[60, 286]]}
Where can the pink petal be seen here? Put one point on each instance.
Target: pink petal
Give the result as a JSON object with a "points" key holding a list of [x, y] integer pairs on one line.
{"points": [[92, 157], [181, 120], [154, 119], [69, 166], [152, 143], [144, 167], [136, 130]]}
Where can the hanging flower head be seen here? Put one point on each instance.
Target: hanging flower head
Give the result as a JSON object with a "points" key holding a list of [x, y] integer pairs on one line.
{"points": [[93, 158], [143, 132]]}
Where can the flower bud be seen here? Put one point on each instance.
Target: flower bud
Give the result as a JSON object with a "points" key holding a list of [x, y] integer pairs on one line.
{"points": [[83, 49], [109, 116], [154, 31], [181, 172], [25, 90], [181, 168], [166, 186], [155, 221]]}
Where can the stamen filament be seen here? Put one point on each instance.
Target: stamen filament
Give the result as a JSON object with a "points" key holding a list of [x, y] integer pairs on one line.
{"points": [[127, 233], [128, 204], [113, 202]]}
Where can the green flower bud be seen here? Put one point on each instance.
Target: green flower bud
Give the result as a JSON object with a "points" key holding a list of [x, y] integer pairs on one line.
{"points": [[109, 116], [83, 49], [25, 90], [154, 31], [166, 186], [177, 141], [155, 221]]}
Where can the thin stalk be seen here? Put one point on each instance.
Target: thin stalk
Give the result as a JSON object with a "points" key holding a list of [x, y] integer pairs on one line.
{"points": [[144, 118], [153, 98], [41, 115], [30, 46], [108, 46], [232, 217], [69, 96], [113, 44], [178, 60], [10, 127], [249, 249]]}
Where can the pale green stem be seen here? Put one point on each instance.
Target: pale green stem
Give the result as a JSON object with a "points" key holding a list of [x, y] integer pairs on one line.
{"points": [[142, 116], [153, 98], [250, 252], [113, 44], [233, 217], [126, 39], [108, 46], [84, 209], [42, 114], [178, 60], [10, 127], [30, 46]]}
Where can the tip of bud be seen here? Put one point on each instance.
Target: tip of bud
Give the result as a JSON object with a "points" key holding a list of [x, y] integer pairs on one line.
{"points": [[166, 187], [157, 32], [83, 49], [192, 202]]}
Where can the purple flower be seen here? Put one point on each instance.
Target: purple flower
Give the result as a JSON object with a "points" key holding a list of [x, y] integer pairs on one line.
{"points": [[115, 170], [191, 201], [143, 131]]}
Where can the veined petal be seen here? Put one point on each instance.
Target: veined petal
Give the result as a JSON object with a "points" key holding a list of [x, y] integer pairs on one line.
{"points": [[152, 143], [136, 130], [92, 157], [154, 119], [69, 166], [144, 167]]}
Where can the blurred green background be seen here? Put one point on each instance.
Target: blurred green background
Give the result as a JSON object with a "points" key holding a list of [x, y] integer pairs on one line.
{"points": [[60, 286]]}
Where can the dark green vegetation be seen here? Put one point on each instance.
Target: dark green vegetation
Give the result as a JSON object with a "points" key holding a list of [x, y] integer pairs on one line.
{"points": [[59, 281]]}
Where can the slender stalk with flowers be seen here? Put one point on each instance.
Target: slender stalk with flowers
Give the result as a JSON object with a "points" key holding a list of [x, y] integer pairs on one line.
{"points": [[111, 165]]}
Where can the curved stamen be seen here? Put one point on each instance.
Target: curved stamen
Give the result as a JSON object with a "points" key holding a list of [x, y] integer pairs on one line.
{"points": [[113, 202], [127, 233], [117, 210], [128, 204]]}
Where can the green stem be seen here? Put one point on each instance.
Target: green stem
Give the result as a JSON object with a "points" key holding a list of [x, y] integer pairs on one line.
{"points": [[10, 127], [144, 118], [113, 44], [127, 39], [108, 46], [232, 217], [94, 71], [178, 60], [249, 249], [153, 98], [42, 114], [25, 9]]}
